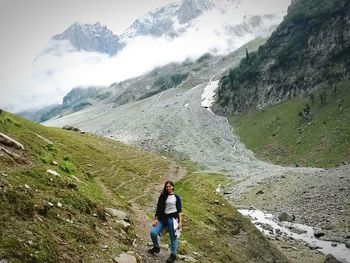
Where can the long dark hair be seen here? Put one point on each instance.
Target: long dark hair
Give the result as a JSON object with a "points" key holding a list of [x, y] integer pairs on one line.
{"points": [[165, 192]]}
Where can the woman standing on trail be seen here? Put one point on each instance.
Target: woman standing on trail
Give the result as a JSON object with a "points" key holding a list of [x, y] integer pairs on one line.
{"points": [[168, 214]]}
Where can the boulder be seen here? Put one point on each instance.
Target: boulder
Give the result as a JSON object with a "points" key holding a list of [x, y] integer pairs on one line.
{"points": [[123, 223], [286, 217], [125, 258], [331, 259], [52, 172], [318, 233], [15, 156], [6, 140], [70, 128], [117, 213]]}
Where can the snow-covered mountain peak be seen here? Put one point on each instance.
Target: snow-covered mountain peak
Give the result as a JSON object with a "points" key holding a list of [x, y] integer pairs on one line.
{"points": [[161, 21], [176, 18], [91, 37]]}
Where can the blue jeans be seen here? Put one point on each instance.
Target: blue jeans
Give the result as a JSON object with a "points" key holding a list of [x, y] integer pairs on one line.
{"points": [[158, 228]]}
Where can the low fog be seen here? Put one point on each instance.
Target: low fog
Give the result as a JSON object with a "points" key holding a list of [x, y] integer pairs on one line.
{"points": [[59, 68]]}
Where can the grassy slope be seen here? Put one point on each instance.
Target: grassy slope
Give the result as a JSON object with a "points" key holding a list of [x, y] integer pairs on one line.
{"points": [[33, 231], [215, 230], [96, 173], [279, 134]]}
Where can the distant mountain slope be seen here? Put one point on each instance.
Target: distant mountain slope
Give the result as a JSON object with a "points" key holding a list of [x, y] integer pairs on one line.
{"points": [[90, 37], [309, 50], [159, 79], [77, 99]]}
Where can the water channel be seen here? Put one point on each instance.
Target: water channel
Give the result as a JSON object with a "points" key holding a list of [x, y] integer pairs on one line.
{"points": [[271, 226]]}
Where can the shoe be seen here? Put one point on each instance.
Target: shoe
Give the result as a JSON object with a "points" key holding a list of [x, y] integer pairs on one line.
{"points": [[171, 259], [153, 250]]}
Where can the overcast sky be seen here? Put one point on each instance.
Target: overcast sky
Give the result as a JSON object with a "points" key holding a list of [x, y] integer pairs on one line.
{"points": [[27, 25]]}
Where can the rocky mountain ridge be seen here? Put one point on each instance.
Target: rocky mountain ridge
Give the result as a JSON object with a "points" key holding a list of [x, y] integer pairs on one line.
{"points": [[91, 37], [75, 100], [162, 21], [308, 51], [171, 21]]}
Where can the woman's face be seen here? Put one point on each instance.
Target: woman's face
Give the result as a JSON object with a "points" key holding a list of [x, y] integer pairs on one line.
{"points": [[169, 188]]}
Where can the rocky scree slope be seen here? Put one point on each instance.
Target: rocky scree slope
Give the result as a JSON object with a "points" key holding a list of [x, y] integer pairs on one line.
{"points": [[186, 74], [308, 51], [175, 123]]}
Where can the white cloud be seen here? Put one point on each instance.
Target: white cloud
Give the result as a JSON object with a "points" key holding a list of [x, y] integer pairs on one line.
{"points": [[59, 69]]}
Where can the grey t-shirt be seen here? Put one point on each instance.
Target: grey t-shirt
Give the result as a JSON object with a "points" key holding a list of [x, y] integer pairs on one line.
{"points": [[170, 205]]}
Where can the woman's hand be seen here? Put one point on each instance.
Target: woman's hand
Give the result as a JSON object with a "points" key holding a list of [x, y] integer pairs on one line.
{"points": [[154, 222]]}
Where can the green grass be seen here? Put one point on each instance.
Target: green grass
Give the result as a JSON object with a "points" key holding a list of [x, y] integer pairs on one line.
{"points": [[280, 135], [214, 229], [47, 218]]}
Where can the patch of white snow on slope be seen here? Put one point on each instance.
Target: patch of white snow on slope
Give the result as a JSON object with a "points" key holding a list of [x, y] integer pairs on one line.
{"points": [[209, 93]]}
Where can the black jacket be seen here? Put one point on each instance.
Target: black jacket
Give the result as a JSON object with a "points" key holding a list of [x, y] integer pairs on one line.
{"points": [[160, 212]]}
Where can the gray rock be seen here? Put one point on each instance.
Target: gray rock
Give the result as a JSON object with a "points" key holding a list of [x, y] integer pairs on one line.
{"points": [[187, 258], [70, 128], [3, 260], [117, 213], [319, 233], [123, 223], [52, 172], [286, 217], [4, 139], [331, 259], [15, 156], [125, 258], [260, 192], [104, 247]]}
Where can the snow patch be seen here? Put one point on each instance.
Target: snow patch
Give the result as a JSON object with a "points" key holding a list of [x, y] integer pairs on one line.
{"points": [[209, 93]]}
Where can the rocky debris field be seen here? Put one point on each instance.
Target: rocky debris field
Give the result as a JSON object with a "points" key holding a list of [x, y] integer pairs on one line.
{"points": [[320, 200]]}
